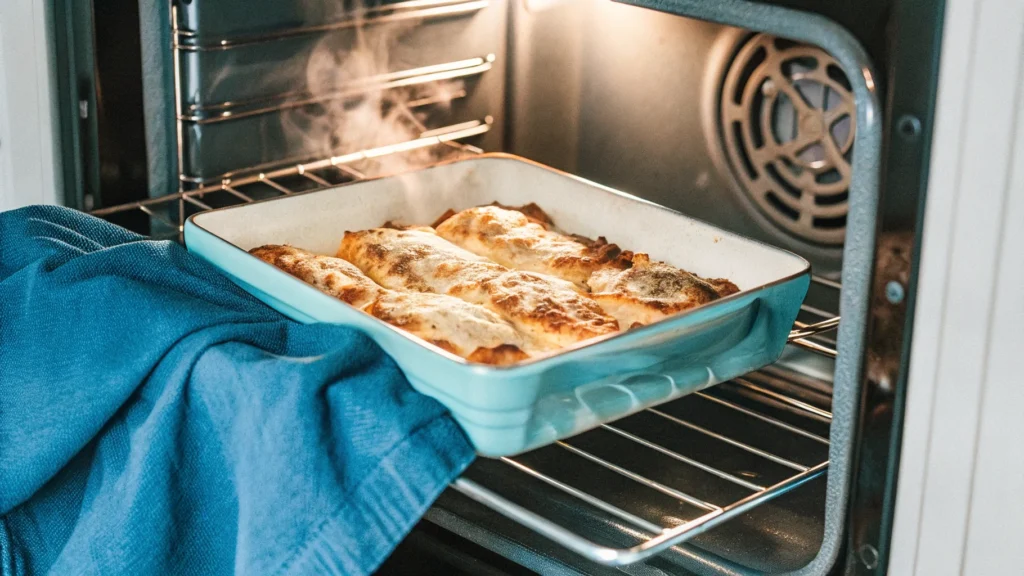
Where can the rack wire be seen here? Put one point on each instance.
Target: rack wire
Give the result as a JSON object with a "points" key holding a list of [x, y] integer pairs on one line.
{"points": [[226, 111]]}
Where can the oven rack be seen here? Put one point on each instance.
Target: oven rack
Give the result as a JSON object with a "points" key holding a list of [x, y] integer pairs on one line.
{"points": [[707, 472], [168, 212], [226, 111], [189, 40]]}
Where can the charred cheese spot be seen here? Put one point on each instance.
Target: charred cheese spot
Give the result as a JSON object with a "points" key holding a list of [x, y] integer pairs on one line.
{"points": [[440, 219], [531, 211], [448, 347], [723, 287]]}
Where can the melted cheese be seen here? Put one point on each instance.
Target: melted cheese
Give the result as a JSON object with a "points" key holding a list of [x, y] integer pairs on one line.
{"points": [[497, 285], [462, 328], [549, 311], [459, 327], [650, 291], [329, 275], [416, 260], [514, 240]]}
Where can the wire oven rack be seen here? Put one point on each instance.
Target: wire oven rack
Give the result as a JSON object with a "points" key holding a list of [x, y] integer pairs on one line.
{"points": [[694, 472]]}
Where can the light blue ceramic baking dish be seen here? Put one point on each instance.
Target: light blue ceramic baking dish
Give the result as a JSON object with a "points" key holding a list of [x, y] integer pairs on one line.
{"points": [[507, 410]]}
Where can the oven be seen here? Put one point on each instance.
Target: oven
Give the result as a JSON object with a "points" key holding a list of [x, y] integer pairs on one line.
{"points": [[819, 127]]}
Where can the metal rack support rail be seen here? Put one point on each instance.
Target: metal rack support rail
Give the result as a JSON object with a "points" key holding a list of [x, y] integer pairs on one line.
{"points": [[203, 114], [189, 40], [274, 170], [185, 41]]}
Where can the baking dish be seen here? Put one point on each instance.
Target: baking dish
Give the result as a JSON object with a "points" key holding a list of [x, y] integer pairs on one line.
{"points": [[508, 410]]}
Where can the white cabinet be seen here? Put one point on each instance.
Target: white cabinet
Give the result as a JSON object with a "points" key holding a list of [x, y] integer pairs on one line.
{"points": [[29, 164]]}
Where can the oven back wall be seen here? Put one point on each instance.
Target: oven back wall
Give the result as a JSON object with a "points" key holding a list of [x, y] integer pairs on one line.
{"points": [[630, 98]]}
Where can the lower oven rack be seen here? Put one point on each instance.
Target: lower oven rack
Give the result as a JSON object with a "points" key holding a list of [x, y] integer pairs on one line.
{"points": [[651, 536]]}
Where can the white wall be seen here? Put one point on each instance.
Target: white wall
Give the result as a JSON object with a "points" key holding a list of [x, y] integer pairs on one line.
{"points": [[28, 157], [960, 499]]}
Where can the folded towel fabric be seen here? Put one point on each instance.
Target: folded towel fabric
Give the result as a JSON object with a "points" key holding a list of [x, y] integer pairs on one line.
{"points": [[156, 419]]}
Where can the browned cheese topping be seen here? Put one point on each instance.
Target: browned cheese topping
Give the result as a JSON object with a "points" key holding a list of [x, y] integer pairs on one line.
{"points": [[329, 275], [650, 291], [459, 327], [497, 285], [548, 311], [517, 241], [632, 288]]}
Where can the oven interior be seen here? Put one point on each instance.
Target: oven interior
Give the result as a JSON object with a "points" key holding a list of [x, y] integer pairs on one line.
{"points": [[749, 131]]}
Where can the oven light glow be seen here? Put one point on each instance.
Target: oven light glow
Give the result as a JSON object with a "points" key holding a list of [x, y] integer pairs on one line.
{"points": [[868, 78]]}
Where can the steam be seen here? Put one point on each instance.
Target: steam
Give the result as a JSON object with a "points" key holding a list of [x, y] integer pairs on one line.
{"points": [[354, 115]]}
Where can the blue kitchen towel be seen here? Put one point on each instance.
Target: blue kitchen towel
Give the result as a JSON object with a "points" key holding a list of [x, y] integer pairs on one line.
{"points": [[156, 419]]}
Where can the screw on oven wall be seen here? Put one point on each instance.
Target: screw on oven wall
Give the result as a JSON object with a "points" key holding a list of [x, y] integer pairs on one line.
{"points": [[894, 292], [909, 126], [868, 556]]}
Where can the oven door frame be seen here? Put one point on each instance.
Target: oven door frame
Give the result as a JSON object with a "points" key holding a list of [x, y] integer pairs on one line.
{"points": [[913, 39]]}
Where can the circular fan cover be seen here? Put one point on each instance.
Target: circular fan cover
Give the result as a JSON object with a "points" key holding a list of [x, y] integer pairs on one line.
{"points": [[788, 119]]}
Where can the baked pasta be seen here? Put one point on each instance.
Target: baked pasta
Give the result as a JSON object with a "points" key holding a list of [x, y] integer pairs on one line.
{"points": [[459, 327], [550, 312], [496, 284], [632, 288], [514, 240], [649, 291]]}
